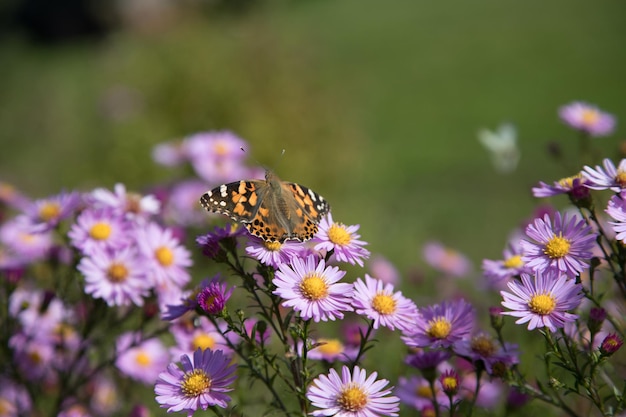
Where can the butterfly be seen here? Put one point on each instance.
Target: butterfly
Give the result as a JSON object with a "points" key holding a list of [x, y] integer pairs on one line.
{"points": [[272, 210]]}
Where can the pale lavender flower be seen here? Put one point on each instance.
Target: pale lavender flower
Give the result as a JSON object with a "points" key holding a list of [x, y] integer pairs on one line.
{"points": [[564, 245], [446, 260], [166, 258], [45, 214], [576, 186], [587, 118], [427, 360], [543, 300], [217, 156], [14, 399], [482, 347], [342, 240], [617, 210], [273, 254], [378, 302], [169, 154], [201, 383], [415, 391], [13, 198], [141, 360], [384, 270], [312, 289], [99, 230], [352, 395], [119, 278], [38, 312], [331, 350], [182, 206], [34, 356], [504, 269], [23, 242], [441, 325], [606, 177], [202, 334], [133, 206]]}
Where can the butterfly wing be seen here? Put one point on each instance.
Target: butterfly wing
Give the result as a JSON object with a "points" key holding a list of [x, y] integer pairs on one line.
{"points": [[238, 200], [309, 208]]}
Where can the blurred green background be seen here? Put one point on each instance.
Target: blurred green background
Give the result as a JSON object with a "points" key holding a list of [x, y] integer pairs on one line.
{"points": [[377, 104]]}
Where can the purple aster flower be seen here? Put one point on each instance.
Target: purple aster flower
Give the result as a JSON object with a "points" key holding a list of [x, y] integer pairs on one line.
{"points": [[587, 118], [34, 357], [133, 206], [46, 214], [38, 312], [610, 344], [378, 302], [504, 269], [212, 298], [169, 154], [313, 289], [450, 382], [216, 157], [576, 186], [543, 300], [166, 258], [562, 245], [27, 246], [617, 210], [342, 240], [189, 300], [352, 395], [210, 243], [10, 196], [14, 399], [441, 325], [273, 254], [199, 383], [415, 391], [96, 230], [141, 360], [331, 350], [609, 177], [446, 260], [182, 206], [427, 360], [198, 334], [382, 268], [483, 347], [118, 277]]}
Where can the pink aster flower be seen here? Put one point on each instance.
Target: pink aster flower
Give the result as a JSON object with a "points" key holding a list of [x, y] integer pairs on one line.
{"points": [[564, 245], [139, 359], [617, 210], [217, 156], [47, 213], [352, 395], [342, 240], [133, 206], [511, 265], [166, 258], [576, 186], [331, 350], [97, 230], [607, 176], [273, 254], [441, 325], [118, 277], [446, 260], [543, 300], [313, 289], [199, 383], [378, 302], [587, 118]]}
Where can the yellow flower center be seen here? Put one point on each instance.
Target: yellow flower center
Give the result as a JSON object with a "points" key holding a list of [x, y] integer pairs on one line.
{"points": [[195, 383], [352, 398], [384, 304], [513, 262], [100, 231], [313, 287], [220, 148], [164, 255], [424, 391], [273, 246], [449, 383], [35, 357], [330, 346], [557, 247], [590, 117], [202, 341], [483, 345], [6, 408], [439, 328], [143, 359], [542, 304], [620, 177], [26, 238], [49, 211], [117, 272], [568, 182], [339, 235]]}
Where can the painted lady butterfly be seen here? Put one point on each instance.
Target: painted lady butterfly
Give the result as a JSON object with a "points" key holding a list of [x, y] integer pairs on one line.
{"points": [[273, 210]]}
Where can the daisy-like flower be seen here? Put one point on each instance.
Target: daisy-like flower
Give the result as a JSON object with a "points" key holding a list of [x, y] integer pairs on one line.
{"points": [[427, 360], [446, 260], [117, 277], [441, 325], [352, 395], [607, 176], [47, 213], [378, 302], [27, 245], [543, 300], [123, 203], [313, 289], [182, 206], [450, 382], [342, 240], [576, 186], [166, 258], [382, 268], [212, 298], [12, 197], [504, 269], [416, 392], [483, 347], [617, 210], [331, 350], [199, 383], [216, 156], [587, 118], [96, 230], [562, 245], [273, 254], [140, 360], [189, 299], [169, 154], [210, 243], [199, 334]]}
